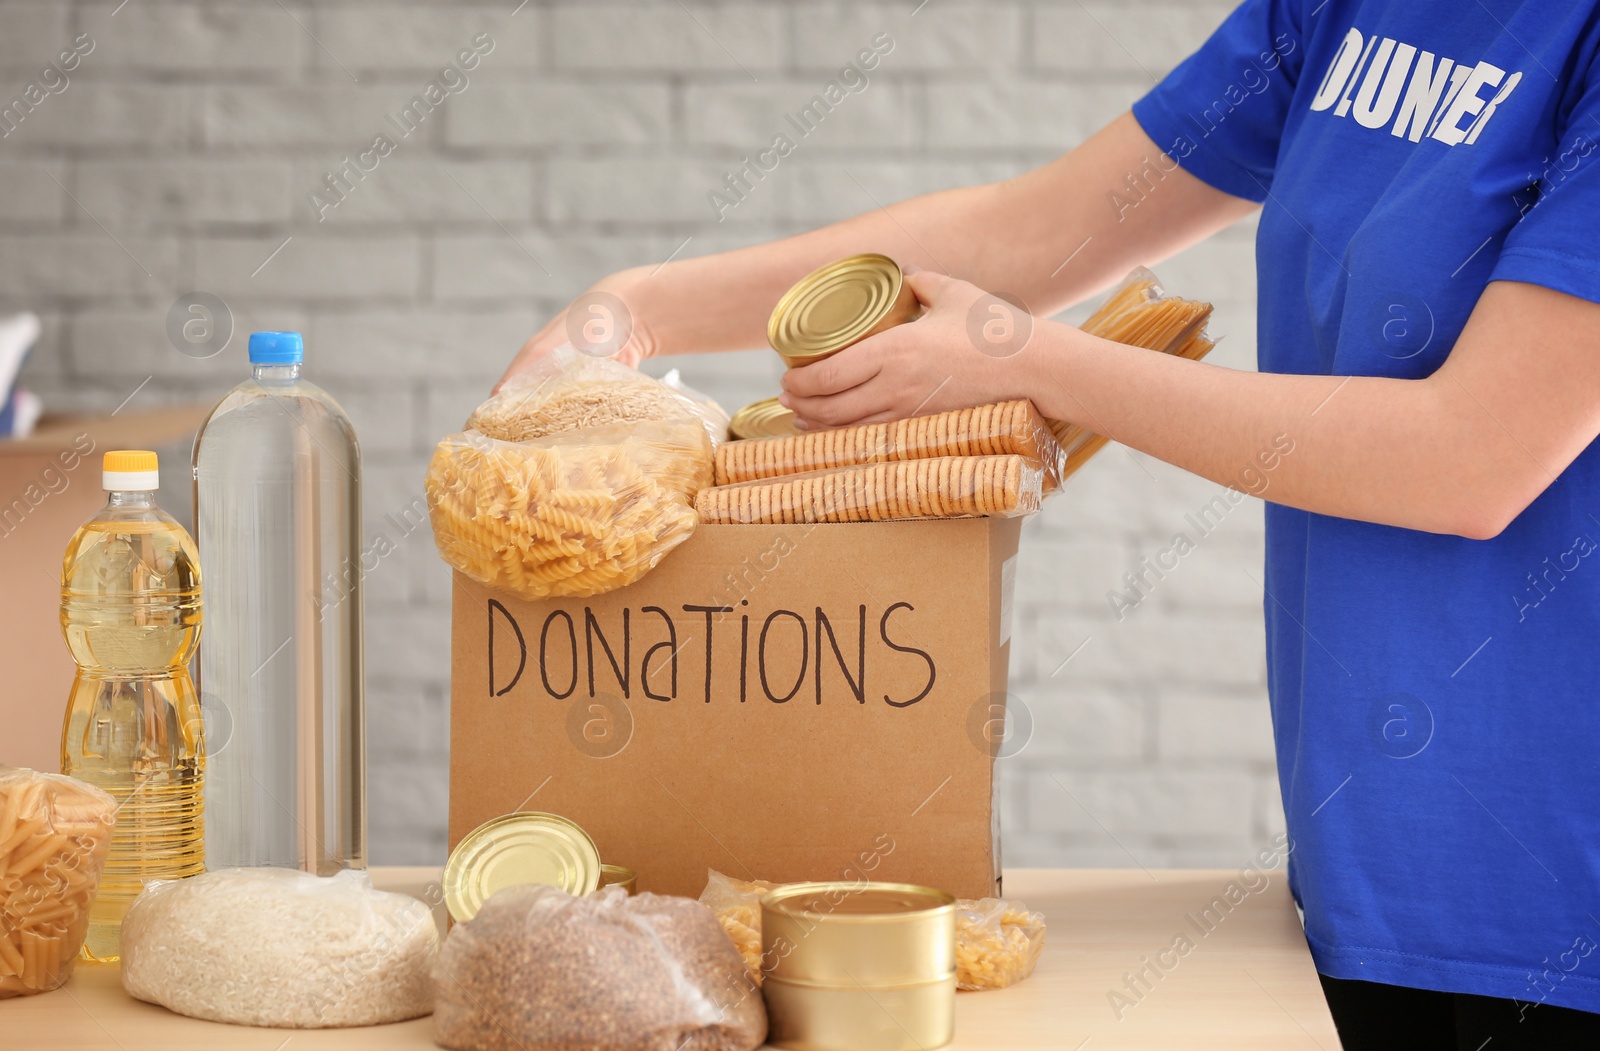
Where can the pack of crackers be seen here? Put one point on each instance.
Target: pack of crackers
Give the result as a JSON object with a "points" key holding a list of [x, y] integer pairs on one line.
{"points": [[1012, 428], [935, 487]]}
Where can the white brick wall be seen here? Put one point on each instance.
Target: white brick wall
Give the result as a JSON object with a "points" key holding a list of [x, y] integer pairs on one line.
{"points": [[180, 157]]}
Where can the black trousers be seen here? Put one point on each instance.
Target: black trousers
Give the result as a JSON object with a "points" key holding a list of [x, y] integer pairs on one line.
{"points": [[1374, 1017]]}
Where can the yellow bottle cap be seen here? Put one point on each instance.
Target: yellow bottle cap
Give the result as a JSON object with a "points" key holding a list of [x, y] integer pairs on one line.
{"points": [[129, 460], [129, 469]]}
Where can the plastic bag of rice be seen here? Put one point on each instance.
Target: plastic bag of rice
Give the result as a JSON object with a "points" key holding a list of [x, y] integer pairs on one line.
{"points": [[540, 970], [276, 947]]}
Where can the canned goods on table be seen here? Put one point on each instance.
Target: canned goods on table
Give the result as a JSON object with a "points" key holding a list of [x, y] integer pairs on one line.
{"points": [[525, 847], [859, 966]]}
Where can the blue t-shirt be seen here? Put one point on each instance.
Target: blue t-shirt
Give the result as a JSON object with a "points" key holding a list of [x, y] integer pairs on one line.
{"points": [[1433, 698]]}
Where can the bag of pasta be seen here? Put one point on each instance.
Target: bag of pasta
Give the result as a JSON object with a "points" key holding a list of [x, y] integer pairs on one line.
{"points": [[1139, 313], [998, 942], [737, 906], [55, 833], [571, 515], [574, 480]]}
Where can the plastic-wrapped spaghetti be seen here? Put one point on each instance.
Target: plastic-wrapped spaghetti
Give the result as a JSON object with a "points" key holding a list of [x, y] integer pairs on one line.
{"points": [[938, 487], [1139, 314], [1009, 428]]}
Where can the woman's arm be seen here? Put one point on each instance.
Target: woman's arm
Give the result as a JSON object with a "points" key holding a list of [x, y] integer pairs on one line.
{"points": [[1051, 237], [1463, 451]]}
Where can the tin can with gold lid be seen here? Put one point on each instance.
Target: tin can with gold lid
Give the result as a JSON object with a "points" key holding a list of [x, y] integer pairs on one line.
{"points": [[762, 419], [838, 305], [526, 847], [619, 876], [859, 966]]}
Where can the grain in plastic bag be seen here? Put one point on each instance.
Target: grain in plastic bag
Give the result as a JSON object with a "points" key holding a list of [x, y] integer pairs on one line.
{"points": [[540, 970], [1007, 428], [939, 487], [1139, 313], [279, 947], [568, 390], [55, 834]]}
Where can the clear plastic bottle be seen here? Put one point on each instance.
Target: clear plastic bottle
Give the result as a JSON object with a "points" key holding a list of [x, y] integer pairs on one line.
{"points": [[130, 609], [277, 476]]}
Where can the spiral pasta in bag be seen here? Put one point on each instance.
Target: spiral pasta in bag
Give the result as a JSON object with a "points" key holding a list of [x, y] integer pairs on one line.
{"points": [[575, 515], [574, 480]]}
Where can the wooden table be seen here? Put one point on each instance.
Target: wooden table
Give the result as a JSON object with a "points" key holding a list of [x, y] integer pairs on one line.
{"points": [[1245, 983]]}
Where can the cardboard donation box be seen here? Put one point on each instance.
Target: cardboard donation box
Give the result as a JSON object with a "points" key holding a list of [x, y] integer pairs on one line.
{"points": [[783, 702]]}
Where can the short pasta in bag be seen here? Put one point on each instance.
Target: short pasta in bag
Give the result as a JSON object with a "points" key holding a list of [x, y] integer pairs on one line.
{"points": [[575, 479], [55, 834], [998, 942], [573, 515]]}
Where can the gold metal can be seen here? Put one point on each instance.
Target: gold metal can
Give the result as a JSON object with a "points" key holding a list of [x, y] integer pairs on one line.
{"points": [[838, 305], [859, 966], [618, 876], [526, 847], [807, 1016], [762, 419], [854, 933]]}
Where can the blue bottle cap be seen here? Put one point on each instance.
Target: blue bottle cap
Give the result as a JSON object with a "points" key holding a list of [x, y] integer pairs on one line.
{"points": [[276, 348]]}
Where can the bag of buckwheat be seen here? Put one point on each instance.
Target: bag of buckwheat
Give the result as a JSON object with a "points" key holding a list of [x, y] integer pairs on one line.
{"points": [[540, 970]]}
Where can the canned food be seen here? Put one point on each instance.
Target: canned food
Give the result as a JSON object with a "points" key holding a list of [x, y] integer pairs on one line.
{"points": [[859, 966], [850, 933], [805, 1016], [618, 876], [762, 419], [838, 305], [525, 847]]}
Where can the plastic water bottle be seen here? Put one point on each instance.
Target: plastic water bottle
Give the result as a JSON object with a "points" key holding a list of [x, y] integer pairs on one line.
{"points": [[277, 476], [130, 609]]}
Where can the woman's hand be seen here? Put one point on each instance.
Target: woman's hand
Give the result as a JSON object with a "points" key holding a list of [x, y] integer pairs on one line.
{"points": [[612, 319], [964, 350]]}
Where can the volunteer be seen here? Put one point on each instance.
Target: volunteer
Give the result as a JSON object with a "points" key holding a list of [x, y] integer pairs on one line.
{"points": [[1429, 347]]}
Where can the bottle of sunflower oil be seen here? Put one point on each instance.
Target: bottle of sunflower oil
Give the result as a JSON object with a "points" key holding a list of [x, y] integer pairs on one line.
{"points": [[130, 609]]}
